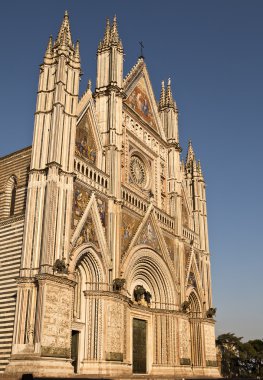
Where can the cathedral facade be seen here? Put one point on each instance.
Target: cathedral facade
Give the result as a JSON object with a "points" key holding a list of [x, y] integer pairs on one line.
{"points": [[104, 259]]}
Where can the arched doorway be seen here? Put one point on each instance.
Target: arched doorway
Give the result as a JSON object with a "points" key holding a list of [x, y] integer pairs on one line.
{"points": [[87, 326], [195, 329], [151, 286]]}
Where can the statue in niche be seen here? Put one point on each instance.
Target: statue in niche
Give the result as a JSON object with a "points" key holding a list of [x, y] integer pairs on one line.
{"points": [[118, 284], [142, 296], [211, 312]]}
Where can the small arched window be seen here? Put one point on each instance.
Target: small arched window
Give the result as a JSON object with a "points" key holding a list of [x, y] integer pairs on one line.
{"points": [[10, 197]]}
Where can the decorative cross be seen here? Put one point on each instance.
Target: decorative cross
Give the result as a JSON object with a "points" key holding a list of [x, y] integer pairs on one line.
{"points": [[142, 47]]}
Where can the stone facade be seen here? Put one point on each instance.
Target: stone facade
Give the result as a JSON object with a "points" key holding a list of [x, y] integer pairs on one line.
{"points": [[104, 240]]}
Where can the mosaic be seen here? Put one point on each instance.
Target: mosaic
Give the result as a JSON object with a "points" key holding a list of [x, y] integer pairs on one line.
{"points": [[85, 142], [170, 246], [80, 201], [102, 208], [138, 100], [88, 233], [148, 237], [128, 229], [191, 280]]}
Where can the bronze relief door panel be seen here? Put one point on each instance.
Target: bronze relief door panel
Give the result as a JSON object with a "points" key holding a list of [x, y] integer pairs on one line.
{"points": [[139, 346]]}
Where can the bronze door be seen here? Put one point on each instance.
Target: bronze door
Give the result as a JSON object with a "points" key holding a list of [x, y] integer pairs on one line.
{"points": [[74, 349], [139, 346]]}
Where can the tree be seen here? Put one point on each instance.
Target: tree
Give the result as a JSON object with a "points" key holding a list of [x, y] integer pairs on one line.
{"points": [[240, 359]]}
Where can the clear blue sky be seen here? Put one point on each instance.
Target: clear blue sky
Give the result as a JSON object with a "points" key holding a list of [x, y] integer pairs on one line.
{"points": [[213, 52]]}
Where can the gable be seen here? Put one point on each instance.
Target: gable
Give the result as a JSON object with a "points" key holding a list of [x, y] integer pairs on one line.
{"points": [[140, 103], [140, 99]]}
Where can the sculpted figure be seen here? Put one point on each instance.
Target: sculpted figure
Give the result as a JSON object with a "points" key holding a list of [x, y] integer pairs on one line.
{"points": [[118, 284]]}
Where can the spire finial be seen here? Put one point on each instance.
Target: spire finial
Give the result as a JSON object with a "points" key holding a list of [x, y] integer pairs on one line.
{"points": [[77, 53], [106, 38], [190, 153], [114, 35], [48, 53], [64, 34], [169, 102], [162, 97], [89, 85]]}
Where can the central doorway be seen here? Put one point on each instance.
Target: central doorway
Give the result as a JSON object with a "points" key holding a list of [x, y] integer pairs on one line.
{"points": [[139, 346]]}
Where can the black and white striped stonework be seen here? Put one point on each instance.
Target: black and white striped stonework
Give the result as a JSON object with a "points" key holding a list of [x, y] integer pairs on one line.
{"points": [[11, 237], [14, 170]]}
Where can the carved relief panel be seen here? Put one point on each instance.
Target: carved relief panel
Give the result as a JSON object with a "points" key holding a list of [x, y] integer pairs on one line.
{"points": [[115, 331], [184, 341], [210, 351], [56, 329]]}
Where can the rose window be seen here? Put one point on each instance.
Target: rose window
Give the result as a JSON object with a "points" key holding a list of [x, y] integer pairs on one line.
{"points": [[138, 171]]}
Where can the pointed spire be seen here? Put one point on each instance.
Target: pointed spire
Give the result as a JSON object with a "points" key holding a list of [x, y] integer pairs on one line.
{"points": [[49, 50], [169, 96], [190, 153], [114, 35], [162, 97], [64, 34], [77, 54], [199, 169], [106, 38]]}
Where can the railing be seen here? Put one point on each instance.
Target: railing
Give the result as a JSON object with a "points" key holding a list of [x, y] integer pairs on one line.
{"points": [[91, 175], [134, 201], [166, 221], [191, 236]]}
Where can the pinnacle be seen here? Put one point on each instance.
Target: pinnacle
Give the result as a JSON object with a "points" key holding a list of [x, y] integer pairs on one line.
{"points": [[162, 97], [77, 53], [169, 102], [49, 49], [190, 153], [114, 35], [64, 34], [111, 35]]}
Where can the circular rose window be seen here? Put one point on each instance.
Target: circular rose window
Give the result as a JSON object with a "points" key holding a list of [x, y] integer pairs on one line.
{"points": [[138, 171]]}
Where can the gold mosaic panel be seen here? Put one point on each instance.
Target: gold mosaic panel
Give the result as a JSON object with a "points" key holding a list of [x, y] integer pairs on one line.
{"points": [[148, 237], [80, 200], [85, 142], [139, 101], [128, 230]]}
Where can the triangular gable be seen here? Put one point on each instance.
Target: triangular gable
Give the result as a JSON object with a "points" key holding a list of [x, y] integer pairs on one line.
{"points": [[90, 230], [88, 138], [140, 98], [193, 279], [150, 234]]}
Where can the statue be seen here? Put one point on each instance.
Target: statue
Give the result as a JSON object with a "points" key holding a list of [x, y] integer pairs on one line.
{"points": [[148, 296], [211, 312], [142, 296], [60, 266], [118, 284], [185, 306]]}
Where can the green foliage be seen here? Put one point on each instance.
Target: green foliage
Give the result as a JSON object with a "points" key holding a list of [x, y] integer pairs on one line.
{"points": [[240, 359]]}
